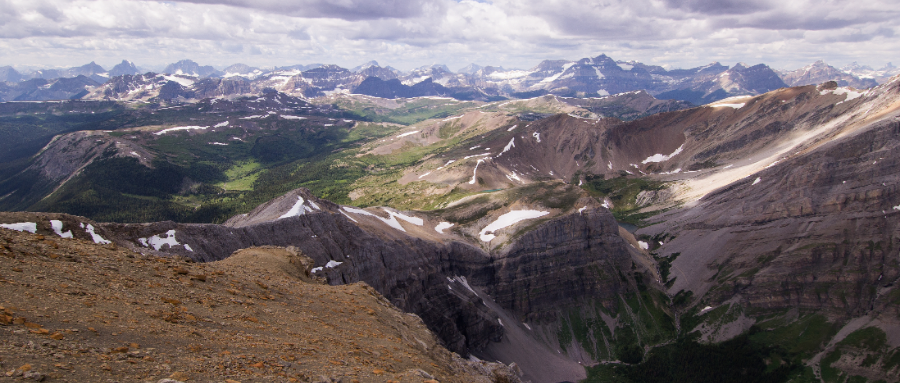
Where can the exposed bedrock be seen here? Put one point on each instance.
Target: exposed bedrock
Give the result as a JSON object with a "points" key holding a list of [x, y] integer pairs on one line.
{"points": [[820, 232], [555, 265], [562, 263]]}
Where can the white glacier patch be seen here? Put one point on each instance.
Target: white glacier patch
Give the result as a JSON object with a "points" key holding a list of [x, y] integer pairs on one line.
{"points": [[735, 106], [447, 164], [30, 227], [177, 128], [157, 242], [57, 228], [513, 177], [442, 226], [299, 208], [96, 237], [662, 157], [475, 173], [851, 94], [510, 145], [507, 220]]}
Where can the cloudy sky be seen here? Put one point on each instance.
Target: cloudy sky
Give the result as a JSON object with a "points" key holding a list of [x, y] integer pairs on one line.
{"points": [[785, 34]]}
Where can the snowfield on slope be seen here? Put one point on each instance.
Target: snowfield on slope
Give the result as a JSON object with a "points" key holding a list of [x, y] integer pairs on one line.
{"points": [[507, 220]]}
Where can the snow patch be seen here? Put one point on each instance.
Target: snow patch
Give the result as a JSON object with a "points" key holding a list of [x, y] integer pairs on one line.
{"points": [[507, 220], [333, 264], [475, 172], [57, 228], [221, 125], [349, 217], [30, 227], [513, 177], [447, 164], [851, 94], [537, 136], [164, 131], [756, 181], [181, 81], [462, 281], [423, 175], [644, 245], [408, 133], [510, 145], [582, 209], [556, 76], [298, 209], [442, 226], [390, 221], [736, 106], [662, 157], [157, 241], [96, 237], [676, 171], [287, 117], [511, 129], [413, 220]]}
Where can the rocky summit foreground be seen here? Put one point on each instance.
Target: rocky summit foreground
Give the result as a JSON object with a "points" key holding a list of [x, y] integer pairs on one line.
{"points": [[75, 311]]}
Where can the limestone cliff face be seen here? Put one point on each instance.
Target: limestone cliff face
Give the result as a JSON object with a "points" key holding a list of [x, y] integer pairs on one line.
{"points": [[819, 232], [405, 271], [560, 264]]}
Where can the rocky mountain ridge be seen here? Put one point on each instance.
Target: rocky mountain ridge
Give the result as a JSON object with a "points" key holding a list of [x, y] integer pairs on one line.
{"points": [[423, 270], [587, 77], [820, 72], [780, 216], [76, 310]]}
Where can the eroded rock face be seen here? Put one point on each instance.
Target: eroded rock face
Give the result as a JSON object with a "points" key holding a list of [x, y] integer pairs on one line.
{"points": [[407, 272], [558, 264], [819, 232], [554, 266]]}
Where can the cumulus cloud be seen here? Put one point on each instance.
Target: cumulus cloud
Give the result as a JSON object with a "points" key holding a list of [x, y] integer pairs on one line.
{"points": [[409, 33]]}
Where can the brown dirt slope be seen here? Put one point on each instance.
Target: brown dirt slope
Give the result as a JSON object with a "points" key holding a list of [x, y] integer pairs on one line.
{"points": [[73, 311]]}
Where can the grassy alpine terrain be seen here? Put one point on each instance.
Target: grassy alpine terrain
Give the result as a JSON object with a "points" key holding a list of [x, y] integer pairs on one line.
{"points": [[221, 158], [205, 162]]}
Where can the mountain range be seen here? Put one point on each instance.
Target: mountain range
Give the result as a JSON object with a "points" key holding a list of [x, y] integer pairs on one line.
{"points": [[589, 77], [592, 220]]}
